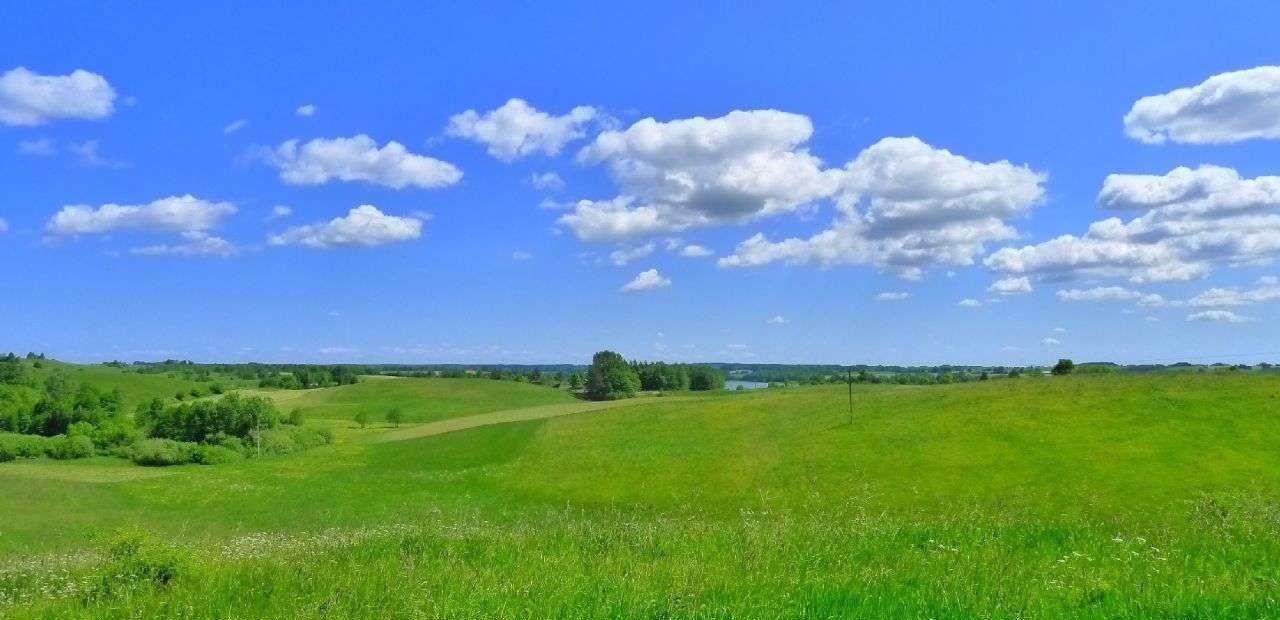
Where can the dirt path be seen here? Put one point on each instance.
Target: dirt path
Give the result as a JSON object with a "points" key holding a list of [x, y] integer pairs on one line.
{"points": [[512, 415]]}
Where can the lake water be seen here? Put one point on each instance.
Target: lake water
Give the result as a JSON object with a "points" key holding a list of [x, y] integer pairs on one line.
{"points": [[733, 384]]}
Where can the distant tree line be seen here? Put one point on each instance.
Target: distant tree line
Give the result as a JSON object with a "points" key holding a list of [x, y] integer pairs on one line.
{"points": [[611, 377]]}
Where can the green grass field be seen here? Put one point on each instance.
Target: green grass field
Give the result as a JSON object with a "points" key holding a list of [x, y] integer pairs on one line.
{"points": [[420, 400], [1089, 496]]}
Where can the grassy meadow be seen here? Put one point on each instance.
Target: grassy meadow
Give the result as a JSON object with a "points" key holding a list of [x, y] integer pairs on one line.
{"points": [[1105, 496], [418, 399]]}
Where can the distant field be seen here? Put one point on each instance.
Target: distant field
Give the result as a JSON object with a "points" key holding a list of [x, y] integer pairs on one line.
{"points": [[419, 399], [1091, 496]]}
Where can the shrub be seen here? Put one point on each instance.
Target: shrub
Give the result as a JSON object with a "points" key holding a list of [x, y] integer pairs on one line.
{"points": [[296, 418], [134, 558], [290, 439], [161, 452], [29, 446], [206, 454], [69, 447]]}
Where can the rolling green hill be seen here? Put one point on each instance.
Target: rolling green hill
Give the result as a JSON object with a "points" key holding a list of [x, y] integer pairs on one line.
{"points": [[1092, 496], [419, 399]]}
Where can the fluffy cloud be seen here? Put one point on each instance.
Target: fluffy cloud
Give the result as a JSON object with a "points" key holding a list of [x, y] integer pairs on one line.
{"points": [[279, 211], [603, 220], [195, 243], [1011, 286], [777, 320], [904, 206], [546, 180], [175, 213], [698, 172], [1228, 107], [646, 281], [892, 296], [694, 250], [28, 99], [1267, 290], [363, 226], [359, 158], [1218, 316], [306, 110], [1050, 342], [969, 303], [622, 256], [518, 129], [236, 125], [1194, 219], [1110, 293]]}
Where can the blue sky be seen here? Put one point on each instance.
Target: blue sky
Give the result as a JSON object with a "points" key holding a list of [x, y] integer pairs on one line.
{"points": [[932, 150]]}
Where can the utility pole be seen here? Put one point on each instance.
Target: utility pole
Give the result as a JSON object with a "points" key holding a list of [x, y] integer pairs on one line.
{"points": [[849, 380]]}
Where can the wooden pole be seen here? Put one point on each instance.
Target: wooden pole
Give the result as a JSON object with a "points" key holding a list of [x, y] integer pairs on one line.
{"points": [[849, 380]]}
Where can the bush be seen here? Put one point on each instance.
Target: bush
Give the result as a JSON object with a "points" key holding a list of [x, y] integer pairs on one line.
{"points": [[206, 454], [18, 446], [290, 439], [296, 418], [162, 452], [134, 558], [30, 446], [64, 447]]}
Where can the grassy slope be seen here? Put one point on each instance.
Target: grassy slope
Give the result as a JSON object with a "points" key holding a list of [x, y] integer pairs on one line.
{"points": [[1101, 496], [420, 400]]}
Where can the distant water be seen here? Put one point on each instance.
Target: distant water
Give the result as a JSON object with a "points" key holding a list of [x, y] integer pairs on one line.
{"points": [[733, 384]]}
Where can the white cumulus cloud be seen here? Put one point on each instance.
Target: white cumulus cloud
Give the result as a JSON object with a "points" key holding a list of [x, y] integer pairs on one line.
{"points": [[363, 226], [29, 99], [694, 250], [1267, 290], [777, 320], [194, 243], [359, 158], [892, 296], [306, 110], [905, 206], [1194, 219], [1218, 316], [1228, 107], [517, 129], [646, 281], [1011, 286], [175, 213], [236, 125], [697, 172], [546, 180], [624, 255], [969, 303]]}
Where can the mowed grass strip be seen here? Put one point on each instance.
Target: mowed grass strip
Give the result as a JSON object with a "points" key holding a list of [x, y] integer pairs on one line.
{"points": [[511, 415]]}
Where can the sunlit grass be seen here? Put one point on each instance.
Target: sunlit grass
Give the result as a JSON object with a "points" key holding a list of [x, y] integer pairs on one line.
{"points": [[1109, 496]]}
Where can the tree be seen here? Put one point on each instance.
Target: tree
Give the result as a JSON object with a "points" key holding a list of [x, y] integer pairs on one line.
{"points": [[395, 417], [1064, 367], [702, 378], [611, 377], [575, 381], [362, 418]]}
